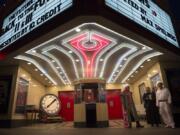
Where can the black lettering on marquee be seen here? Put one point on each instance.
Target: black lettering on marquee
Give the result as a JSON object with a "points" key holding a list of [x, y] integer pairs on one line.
{"points": [[146, 20], [145, 2], [17, 27], [28, 18], [143, 11], [32, 25]]}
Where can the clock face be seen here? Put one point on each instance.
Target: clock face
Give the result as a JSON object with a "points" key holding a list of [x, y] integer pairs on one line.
{"points": [[50, 104]]}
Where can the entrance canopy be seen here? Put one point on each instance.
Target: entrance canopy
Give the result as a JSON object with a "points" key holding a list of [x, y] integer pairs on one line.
{"points": [[87, 51]]}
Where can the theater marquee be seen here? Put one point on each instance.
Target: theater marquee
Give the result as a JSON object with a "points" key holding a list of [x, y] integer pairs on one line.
{"points": [[147, 14], [28, 16]]}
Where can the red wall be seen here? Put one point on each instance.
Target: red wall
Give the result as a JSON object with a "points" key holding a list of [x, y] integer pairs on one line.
{"points": [[114, 104], [67, 105]]}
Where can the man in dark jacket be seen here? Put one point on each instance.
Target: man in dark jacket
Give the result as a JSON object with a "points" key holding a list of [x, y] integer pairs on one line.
{"points": [[152, 112]]}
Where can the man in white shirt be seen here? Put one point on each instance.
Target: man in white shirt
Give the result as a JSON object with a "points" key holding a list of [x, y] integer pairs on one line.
{"points": [[163, 101]]}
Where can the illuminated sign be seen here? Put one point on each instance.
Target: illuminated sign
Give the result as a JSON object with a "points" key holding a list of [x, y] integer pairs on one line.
{"points": [[89, 45], [28, 16], [147, 14]]}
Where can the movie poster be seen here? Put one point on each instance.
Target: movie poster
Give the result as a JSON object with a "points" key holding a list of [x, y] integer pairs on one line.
{"points": [[21, 95]]}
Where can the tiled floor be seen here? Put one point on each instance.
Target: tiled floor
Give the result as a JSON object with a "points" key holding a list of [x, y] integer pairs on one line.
{"points": [[69, 125], [66, 128]]}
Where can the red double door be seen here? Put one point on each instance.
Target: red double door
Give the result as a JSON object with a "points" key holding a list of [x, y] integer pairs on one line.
{"points": [[67, 105], [112, 98], [114, 104]]}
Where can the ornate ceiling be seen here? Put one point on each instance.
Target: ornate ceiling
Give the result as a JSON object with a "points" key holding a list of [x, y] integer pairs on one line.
{"points": [[87, 51]]}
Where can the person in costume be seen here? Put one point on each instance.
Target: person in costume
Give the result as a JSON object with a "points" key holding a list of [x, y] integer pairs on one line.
{"points": [[163, 101], [129, 109]]}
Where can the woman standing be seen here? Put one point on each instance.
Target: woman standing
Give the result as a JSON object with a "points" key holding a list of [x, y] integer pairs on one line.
{"points": [[152, 112], [129, 108]]}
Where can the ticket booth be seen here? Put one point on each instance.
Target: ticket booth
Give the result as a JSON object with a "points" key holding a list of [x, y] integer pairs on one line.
{"points": [[90, 108]]}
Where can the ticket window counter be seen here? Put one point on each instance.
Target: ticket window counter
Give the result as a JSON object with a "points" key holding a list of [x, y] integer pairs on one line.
{"points": [[90, 108]]}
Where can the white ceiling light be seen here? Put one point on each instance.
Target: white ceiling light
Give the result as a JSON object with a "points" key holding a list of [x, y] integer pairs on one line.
{"points": [[23, 75], [101, 60], [149, 60], [58, 67], [77, 29], [29, 63], [70, 52], [33, 51], [35, 69], [41, 74], [77, 60], [154, 71], [53, 61], [144, 48], [142, 66], [61, 73]]}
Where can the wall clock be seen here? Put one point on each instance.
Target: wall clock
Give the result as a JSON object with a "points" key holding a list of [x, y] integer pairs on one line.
{"points": [[50, 104]]}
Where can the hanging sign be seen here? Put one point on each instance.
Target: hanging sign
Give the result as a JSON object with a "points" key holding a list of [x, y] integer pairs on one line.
{"points": [[147, 14], [28, 16]]}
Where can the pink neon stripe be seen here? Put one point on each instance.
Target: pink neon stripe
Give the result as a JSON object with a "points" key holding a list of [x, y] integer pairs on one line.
{"points": [[89, 54]]}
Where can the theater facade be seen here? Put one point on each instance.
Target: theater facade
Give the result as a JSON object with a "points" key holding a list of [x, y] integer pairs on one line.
{"points": [[68, 60]]}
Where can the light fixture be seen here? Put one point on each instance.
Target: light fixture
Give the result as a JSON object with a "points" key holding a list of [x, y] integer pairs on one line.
{"points": [[136, 72], [120, 65], [132, 76], [23, 75], [53, 61], [35, 69], [144, 48], [77, 29], [41, 74], [70, 52], [33, 51], [61, 73], [154, 71], [101, 60], [149, 60], [77, 60], [29, 63], [141, 66], [58, 67]]}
